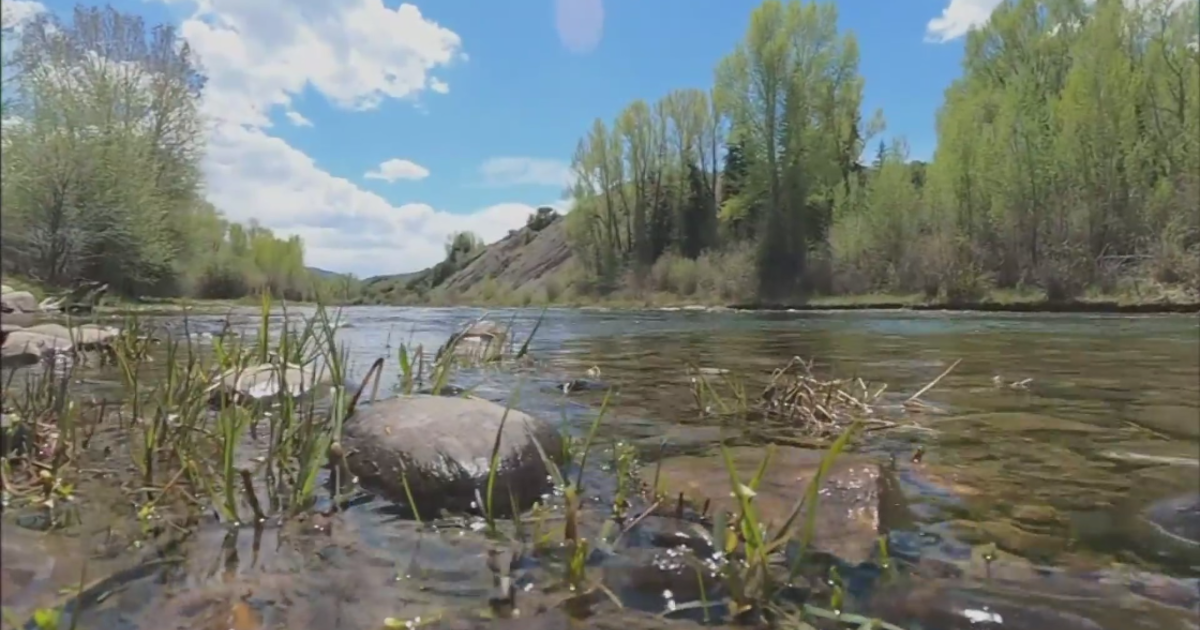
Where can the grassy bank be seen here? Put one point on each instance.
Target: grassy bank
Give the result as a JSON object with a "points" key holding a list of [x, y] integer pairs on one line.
{"points": [[1157, 299]]}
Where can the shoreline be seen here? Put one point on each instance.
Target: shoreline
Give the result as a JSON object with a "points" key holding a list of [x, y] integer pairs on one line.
{"points": [[1079, 307], [1031, 307]]}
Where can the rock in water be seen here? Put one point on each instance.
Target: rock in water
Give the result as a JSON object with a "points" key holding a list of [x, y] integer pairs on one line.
{"points": [[482, 341], [1177, 517], [858, 501], [443, 446], [266, 382], [86, 337], [21, 348]]}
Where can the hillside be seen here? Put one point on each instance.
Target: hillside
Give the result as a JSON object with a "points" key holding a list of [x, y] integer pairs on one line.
{"points": [[322, 273], [526, 260]]}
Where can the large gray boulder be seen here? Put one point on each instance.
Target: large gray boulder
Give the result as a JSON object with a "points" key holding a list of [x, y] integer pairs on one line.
{"points": [[443, 446], [22, 348], [19, 301]]}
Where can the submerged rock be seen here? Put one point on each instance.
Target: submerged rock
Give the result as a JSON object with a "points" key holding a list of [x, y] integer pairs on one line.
{"points": [[34, 566], [1063, 604], [443, 445], [581, 385], [1177, 517], [858, 500]]}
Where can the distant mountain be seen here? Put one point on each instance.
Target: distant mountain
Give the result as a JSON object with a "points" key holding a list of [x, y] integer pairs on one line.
{"points": [[527, 258]]}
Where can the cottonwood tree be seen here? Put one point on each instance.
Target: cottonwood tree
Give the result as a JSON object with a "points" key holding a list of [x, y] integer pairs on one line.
{"points": [[101, 176]]}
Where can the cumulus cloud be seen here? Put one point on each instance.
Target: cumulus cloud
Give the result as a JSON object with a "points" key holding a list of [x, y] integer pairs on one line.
{"points": [[959, 17], [298, 119], [395, 169], [518, 171], [345, 228], [356, 53], [259, 56]]}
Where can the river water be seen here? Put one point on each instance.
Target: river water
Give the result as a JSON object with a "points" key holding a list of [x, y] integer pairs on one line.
{"points": [[1103, 420]]}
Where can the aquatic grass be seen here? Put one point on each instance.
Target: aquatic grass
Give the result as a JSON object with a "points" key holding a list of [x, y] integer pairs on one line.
{"points": [[494, 463], [577, 547], [41, 441], [298, 439], [591, 435], [524, 351], [745, 552]]}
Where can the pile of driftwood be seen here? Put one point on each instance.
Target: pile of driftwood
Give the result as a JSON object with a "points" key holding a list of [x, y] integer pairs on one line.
{"points": [[795, 397]]}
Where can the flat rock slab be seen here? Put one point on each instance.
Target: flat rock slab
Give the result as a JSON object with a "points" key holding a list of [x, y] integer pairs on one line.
{"points": [[22, 348], [856, 503], [443, 446]]}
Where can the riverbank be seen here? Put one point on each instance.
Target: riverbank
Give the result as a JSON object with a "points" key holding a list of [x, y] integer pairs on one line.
{"points": [[847, 303], [1042, 306], [1159, 300], [1165, 301]]}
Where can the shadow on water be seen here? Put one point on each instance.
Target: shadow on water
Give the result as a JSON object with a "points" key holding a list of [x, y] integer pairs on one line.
{"points": [[1047, 441]]}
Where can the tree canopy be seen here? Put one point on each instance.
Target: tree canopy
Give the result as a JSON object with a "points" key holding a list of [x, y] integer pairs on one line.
{"points": [[101, 175], [1068, 157]]}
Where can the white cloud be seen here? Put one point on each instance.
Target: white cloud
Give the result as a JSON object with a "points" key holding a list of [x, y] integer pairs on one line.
{"points": [[516, 171], [959, 17], [345, 228], [395, 168], [357, 53], [15, 13], [298, 119]]}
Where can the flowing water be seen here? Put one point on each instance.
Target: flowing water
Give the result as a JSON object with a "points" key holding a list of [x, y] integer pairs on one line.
{"points": [[1054, 471]]}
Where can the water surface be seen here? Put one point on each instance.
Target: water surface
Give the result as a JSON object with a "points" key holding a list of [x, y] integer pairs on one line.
{"points": [[1105, 421]]}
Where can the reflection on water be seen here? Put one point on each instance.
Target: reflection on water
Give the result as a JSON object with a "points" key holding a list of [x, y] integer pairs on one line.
{"points": [[1106, 421]]}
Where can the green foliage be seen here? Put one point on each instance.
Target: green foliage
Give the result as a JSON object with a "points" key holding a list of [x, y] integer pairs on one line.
{"points": [[542, 219], [101, 174], [1068, 154]]}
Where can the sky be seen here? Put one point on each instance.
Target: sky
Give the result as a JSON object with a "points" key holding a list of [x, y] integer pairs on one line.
{"points": [[374, 129]]}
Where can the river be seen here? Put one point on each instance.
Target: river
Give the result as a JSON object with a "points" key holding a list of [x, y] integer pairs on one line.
{"points": [[1047, 439]]}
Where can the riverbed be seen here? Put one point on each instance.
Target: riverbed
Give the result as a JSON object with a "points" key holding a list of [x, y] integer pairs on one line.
{"points": [[1046, 440]]}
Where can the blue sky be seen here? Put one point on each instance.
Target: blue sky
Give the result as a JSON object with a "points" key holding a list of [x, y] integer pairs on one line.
{"points": [[374, 130]]}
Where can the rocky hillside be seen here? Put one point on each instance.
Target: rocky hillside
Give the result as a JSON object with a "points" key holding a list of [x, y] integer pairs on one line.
{"points": [[525, 259]]}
